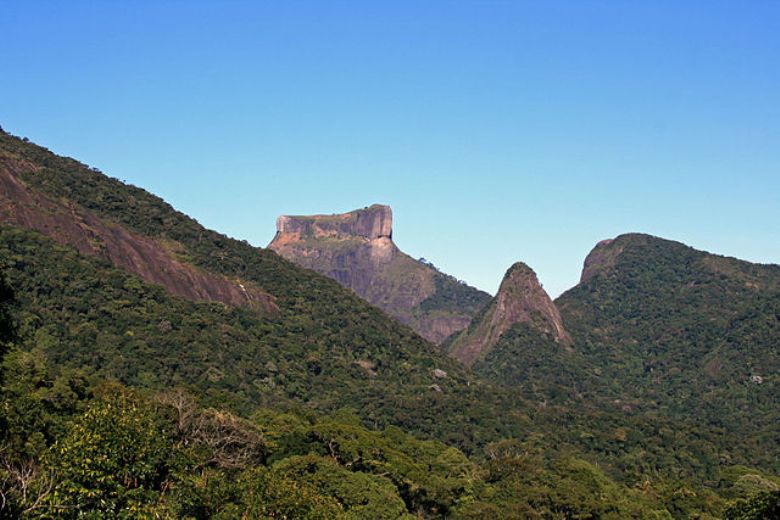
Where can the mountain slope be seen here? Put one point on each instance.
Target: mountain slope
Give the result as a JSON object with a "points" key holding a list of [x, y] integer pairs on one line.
{"points": [[319, 347], [682, 332], [357, 250], [519, 340], [520, 300], [314, 341], [153, 260]]}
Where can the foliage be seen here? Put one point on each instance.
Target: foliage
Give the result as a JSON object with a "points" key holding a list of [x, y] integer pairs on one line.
{"points": [[265, 494], [117, 452], [523, 483], [452, 295], [671, 331], [532, 362], [115, 458], [6, 322], [85, 314], [362, 495], [648, 417], [760, 507]]}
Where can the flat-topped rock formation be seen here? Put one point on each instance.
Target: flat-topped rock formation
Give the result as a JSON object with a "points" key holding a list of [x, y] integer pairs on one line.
{"points": [[373, 222], [357, 250]]}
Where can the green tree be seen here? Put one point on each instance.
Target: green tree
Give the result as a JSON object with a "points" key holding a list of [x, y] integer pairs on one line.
{"points": [[114, 461], [362, 495], [265, 494], [6, 322], [763, 506]]}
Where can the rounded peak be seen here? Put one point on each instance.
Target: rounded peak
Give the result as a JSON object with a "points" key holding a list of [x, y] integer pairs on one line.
{"points": [[631, 239], [605, 253], [520, 277], [620, 239], [519, 269]]}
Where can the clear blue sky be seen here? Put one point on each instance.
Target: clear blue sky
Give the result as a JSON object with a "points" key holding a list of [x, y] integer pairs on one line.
{"points": [[498, 131]]}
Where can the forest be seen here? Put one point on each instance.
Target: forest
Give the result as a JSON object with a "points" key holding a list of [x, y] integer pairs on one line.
{"points": [[118, 399]]}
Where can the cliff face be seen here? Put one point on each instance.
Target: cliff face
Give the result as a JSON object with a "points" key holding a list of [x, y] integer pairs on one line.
{"points": [[520, 299], [155, 262], [357, 250], [371, 223], [352, 245], [602, 257]]}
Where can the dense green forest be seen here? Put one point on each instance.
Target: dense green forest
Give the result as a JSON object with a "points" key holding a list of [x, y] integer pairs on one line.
{"points": [[119, 399], [677, 332], [82, 312], [74, 445], [327, 347]]}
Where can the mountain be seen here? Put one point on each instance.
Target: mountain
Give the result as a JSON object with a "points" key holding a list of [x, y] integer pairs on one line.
{"points": [[520, 301], [155, 261], [670, 330], [157, 368], [112, 278], [655, 331], [520, 341], [357, 250]]}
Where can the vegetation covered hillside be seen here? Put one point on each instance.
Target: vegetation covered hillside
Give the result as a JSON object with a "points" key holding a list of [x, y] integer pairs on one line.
{"points": [[673, 331], [101, 450], [124, 397], [324, 346]]}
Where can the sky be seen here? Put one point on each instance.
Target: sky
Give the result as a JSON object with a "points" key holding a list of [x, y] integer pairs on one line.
{"points": [[498, 131]]}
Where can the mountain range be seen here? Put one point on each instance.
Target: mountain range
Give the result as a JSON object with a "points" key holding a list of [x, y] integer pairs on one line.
{"points": [[649, 390]]}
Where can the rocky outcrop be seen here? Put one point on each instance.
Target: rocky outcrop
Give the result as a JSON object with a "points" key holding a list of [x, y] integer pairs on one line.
{"points": [[373, 222], [152, 260], [357, 250], [601, 257], [520, 299]]}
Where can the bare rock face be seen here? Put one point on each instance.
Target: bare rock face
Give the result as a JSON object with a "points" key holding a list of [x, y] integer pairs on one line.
{"points": [[520, 299], [155, 262], [351, 248], [339, 238], [371, 223], [357, 250], [602, 256]]}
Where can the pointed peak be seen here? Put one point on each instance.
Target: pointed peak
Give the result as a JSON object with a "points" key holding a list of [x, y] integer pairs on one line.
{"points": [[520, 299]]}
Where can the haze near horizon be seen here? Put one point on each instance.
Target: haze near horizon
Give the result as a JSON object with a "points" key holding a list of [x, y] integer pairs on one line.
{"points": [[497, 131]]}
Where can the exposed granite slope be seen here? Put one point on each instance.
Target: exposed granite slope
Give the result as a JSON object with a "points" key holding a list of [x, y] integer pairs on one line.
{"points": [[152, 260], [357, 250]]}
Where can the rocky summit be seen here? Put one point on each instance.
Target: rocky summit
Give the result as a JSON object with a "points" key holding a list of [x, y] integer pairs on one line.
{"points": [[520, 300], [357, 249]]}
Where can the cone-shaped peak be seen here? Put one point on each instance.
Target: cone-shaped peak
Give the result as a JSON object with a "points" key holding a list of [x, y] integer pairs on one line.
{"points": [[520, 299]]}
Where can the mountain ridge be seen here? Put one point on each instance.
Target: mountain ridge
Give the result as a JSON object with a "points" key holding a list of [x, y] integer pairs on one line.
{"points": [[668, 386], [155, 262], [325, 346], [675, 330]]}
